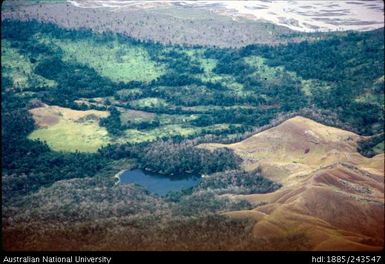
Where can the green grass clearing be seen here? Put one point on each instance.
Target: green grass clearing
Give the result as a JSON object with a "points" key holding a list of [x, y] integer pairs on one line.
{"points": [[20, 70], [127, 94], [271, 74], [133, 116], [176, 119], [208, 66], [114, 60], [149, 102], [379, 148], [71, 136], [226, 80], [136, 136]]}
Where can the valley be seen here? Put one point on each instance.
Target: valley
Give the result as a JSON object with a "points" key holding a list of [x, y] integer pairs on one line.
{"points": [[227, 131]]}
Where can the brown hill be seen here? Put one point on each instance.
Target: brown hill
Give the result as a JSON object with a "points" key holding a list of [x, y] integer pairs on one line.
{"points": [[331, 195]]}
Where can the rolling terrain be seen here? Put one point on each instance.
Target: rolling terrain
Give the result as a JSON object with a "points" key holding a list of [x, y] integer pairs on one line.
{"points": [[330, 192], [331, 203], [283, 125]]}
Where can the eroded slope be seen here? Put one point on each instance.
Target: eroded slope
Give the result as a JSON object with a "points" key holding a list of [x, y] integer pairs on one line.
{"points": [[331, 194]]}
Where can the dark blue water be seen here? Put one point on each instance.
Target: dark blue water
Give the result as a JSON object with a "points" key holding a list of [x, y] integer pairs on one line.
{"points": [[157, 183]]}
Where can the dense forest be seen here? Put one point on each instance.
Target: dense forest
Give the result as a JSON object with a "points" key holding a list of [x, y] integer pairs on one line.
{"points": [[189, 95], [167, 157], [349, 67], [350, 70]]}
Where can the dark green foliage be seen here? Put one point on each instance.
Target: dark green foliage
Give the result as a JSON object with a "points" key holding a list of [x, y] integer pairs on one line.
{"points": [[84, 81], [179, 159], [27, 165], [250, 117], [334, 59], [116, 128], [112, 123], [365, 147], [180, 62], [40, 186], [75, 80], [16, 124], [350, 65], [171, 158], [230, 62], [347, 63]]}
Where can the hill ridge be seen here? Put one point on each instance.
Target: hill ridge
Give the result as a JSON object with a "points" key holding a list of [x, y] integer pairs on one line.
{"points": [[331, 195]]}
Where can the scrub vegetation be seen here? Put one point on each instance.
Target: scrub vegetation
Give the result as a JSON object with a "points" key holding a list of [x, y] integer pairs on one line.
{"points": [[113, 102]]}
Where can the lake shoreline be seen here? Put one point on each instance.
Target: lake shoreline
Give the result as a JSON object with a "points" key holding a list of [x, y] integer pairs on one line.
{"points": [[156, 182], [117, 176]]}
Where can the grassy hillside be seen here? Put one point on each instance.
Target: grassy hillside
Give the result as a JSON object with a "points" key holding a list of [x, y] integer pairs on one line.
{"points": [[298, 147], [324, 179]]}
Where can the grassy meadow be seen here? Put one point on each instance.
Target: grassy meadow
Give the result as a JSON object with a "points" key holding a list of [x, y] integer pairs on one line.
{"points": [[120, 62], [19, 69]]}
